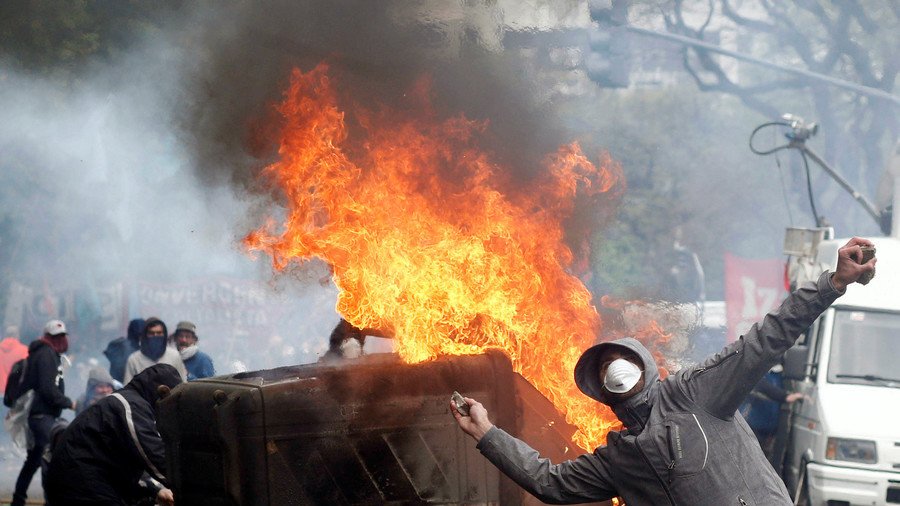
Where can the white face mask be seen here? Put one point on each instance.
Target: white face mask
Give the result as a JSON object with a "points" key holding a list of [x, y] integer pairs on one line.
{"points": [[621, 376]]}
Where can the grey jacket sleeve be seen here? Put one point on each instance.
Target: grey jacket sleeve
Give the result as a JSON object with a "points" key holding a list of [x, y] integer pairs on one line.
{"points": [[721, 382], [581, 480]]}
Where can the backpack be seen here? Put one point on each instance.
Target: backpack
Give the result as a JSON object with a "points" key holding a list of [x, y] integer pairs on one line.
{"points": [[15, 382]]}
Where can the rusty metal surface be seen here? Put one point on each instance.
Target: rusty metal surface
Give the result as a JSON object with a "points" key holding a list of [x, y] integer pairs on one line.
{"points": [[372, 431]]}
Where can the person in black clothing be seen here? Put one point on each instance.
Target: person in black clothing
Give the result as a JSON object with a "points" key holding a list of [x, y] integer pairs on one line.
{"points": [[102, 456], [119, 349], [44, 375]]}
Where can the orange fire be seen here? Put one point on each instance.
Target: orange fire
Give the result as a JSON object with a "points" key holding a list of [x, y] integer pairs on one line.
{"points": [[428, 240]]}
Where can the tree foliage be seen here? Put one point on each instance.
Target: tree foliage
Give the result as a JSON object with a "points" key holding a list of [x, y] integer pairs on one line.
{"points": [[849, 40], [62, 36], [689, 173]]}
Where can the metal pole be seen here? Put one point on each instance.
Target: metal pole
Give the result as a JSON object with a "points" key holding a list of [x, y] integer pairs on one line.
{"points": [[863, 201], [894, 171], [895, 220], [688, 41]]}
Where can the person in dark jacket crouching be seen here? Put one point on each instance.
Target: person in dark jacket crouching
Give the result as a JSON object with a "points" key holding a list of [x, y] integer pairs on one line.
{"points": [[683, 441], [102, 456]]}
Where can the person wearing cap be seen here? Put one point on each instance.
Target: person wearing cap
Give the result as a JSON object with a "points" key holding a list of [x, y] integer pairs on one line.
{"points": [[44, 375], [154, 350], [197, 363], [683, 441]]}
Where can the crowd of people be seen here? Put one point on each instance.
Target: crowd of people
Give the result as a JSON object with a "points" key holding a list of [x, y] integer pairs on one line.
{"points": [[110, 453]]}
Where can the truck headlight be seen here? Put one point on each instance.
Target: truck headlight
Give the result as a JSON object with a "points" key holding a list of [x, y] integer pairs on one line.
{"points": [[851, 450]]}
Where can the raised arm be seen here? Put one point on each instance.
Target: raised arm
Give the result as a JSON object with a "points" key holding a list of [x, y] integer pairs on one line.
{"points": [[721, 382]]}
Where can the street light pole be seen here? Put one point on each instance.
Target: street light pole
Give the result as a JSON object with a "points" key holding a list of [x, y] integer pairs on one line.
{"points": [[799, 132], [800, 144]]}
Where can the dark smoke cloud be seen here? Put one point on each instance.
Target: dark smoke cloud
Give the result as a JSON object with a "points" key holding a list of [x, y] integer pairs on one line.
{"points": [[378, 49], [143, 165]]}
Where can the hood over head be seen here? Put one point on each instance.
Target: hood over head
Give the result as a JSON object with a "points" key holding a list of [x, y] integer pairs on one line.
{"points": [[154, 346], [98, 376], [136, 330], [147, 381], [634, 411]]}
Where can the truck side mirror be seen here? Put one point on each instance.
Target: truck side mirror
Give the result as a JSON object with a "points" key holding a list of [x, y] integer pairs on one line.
{"points": [[795, 363]]}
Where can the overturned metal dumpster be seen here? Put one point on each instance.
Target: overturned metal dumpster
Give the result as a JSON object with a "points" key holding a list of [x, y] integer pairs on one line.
{"points": [[370, 431]]}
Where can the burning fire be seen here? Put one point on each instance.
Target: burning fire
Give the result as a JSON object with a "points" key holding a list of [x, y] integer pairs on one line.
{"points": [[430, 241]]}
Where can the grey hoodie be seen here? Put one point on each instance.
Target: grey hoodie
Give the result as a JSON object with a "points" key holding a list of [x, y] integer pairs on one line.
{"points": [[683, 442]]}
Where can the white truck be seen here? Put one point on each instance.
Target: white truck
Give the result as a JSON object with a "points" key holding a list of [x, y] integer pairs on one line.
{"points": [[843, 444]]}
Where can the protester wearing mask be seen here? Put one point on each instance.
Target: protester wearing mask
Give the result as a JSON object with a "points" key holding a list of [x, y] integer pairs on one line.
{"points": [[153, 350], [44, 375], [197, 363], [683, 441]]}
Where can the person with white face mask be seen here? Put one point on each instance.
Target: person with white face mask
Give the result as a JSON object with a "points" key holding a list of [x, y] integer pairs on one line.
{"points": [[683, 440], [621, 376], [198, 364]]}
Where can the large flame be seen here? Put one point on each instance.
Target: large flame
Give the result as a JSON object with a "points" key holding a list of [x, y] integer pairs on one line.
{"points": [[428, 239]]}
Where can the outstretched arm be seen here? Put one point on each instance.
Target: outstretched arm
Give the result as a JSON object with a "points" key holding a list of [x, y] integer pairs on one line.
{"points": [[575, 481], [722, 382]]}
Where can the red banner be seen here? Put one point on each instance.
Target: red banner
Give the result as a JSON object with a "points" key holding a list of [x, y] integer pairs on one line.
{"points": [[752, 289]]}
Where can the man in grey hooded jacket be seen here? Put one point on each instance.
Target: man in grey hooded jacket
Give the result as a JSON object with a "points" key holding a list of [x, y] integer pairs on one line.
{"points": [[683, 441]]}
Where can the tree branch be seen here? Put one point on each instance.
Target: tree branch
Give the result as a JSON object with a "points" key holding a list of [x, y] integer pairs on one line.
{"points": [[725, 85], [859, 56], [712, 9], [823, 35], [859, 13], [790, 33], [754, 24]]}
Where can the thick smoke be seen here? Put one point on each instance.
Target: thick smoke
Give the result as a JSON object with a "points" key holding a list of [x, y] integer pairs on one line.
{"points": [[100, 197], [143, 167], [378, 50], [379, 53]]}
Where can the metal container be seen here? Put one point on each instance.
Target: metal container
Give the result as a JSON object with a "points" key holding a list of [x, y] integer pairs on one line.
{"points": [[369, 431]]}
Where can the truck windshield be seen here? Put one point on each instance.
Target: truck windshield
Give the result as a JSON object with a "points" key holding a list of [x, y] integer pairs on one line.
{"points": [[865, 349]]}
